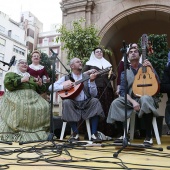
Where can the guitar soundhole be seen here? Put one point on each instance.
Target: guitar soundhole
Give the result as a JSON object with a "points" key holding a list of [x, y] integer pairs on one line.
{"points": [[144, 77]]}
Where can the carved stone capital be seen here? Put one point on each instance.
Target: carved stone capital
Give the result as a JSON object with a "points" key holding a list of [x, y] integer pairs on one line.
{"points": [[73, 6]]}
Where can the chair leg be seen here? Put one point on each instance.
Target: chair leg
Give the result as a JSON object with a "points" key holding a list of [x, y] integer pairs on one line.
{"points": [[128, 121], [132, 125], [88, 128], [63, 130], [155, 127]]}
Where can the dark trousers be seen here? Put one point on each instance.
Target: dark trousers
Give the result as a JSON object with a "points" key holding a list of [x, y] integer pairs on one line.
{"points": [[147, 123]]}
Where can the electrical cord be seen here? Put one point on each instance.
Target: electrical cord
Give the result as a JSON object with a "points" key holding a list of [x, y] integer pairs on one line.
{"points": [[47, 153]]}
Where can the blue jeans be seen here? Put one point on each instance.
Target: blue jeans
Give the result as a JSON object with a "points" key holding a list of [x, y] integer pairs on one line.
{"points": [[94, 122]]}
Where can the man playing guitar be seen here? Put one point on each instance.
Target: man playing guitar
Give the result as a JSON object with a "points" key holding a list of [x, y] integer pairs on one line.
{"points": [[83, 105]]}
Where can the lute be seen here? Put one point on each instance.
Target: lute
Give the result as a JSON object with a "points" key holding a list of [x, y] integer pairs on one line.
{"points": [[78, 86], [145, 82]]}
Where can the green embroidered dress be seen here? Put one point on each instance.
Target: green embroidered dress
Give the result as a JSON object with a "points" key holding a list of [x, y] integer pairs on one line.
{"points": [[24, 113]]}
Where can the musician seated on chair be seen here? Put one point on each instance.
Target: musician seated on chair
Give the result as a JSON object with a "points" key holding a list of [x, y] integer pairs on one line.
{"points": [[84, 105], [24, 113], [144, 105]]}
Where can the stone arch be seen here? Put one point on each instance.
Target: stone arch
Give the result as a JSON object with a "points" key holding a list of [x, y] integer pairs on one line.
{"points": [[131, 23], [132, 10]]}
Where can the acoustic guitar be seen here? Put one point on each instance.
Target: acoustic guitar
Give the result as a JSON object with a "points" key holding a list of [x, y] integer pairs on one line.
{"points": [[78, 86], [145, 82]]}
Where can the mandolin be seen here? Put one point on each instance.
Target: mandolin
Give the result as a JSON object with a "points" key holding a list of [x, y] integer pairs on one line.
{"points": [[78, 86], [145, 82]]}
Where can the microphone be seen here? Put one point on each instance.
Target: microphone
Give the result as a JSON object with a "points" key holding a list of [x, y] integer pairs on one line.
{"points": [[124, 44], [124, 49], [54, 55], [53, 51], [11, 62]]}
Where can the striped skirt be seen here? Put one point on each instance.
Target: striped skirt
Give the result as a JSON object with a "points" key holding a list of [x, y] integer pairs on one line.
{"points": [[25, 116]]}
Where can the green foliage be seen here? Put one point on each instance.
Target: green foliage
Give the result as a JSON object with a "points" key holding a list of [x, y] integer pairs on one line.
{"points": [[160, 55], [79, 41], [160, 52]]}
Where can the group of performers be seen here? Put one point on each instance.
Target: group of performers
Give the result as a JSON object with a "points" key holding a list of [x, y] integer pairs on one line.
{"points": [[25, 114]]}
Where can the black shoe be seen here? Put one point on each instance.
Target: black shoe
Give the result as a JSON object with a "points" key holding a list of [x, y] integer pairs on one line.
{"points": [[168, 133], [74, 138], [148, 141], [95, 138]]}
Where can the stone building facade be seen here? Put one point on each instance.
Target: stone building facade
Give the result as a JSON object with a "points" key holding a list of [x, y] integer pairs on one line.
{"points": [[119, 20]]}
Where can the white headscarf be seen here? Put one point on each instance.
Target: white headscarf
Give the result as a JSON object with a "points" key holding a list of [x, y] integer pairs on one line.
{"points": [[17, 71], [101, 63]]}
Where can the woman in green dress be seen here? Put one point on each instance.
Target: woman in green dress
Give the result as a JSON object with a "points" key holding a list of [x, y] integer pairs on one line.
{"points": [[24, 113]]}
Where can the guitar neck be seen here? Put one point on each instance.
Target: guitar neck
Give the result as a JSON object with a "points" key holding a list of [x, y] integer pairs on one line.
{"points": [[144, 42], [88, 77], [143, 58], [82, 80], [143, 54]]}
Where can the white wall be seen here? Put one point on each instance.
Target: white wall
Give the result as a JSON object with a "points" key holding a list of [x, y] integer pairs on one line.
{"points": [[17, 33]]}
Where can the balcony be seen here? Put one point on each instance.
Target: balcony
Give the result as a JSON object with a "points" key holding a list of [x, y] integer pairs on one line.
{"points": [[48, 34], [49, 44]]}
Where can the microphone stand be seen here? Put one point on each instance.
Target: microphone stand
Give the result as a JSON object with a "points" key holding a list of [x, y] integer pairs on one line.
{"points": [[125, 142], [68, 71], [53, 59], [4, 63]]}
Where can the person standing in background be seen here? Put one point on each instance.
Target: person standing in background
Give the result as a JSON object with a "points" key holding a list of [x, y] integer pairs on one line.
{"points": [[36, 69], [103, 82], [165, 88], [121, 67]]}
